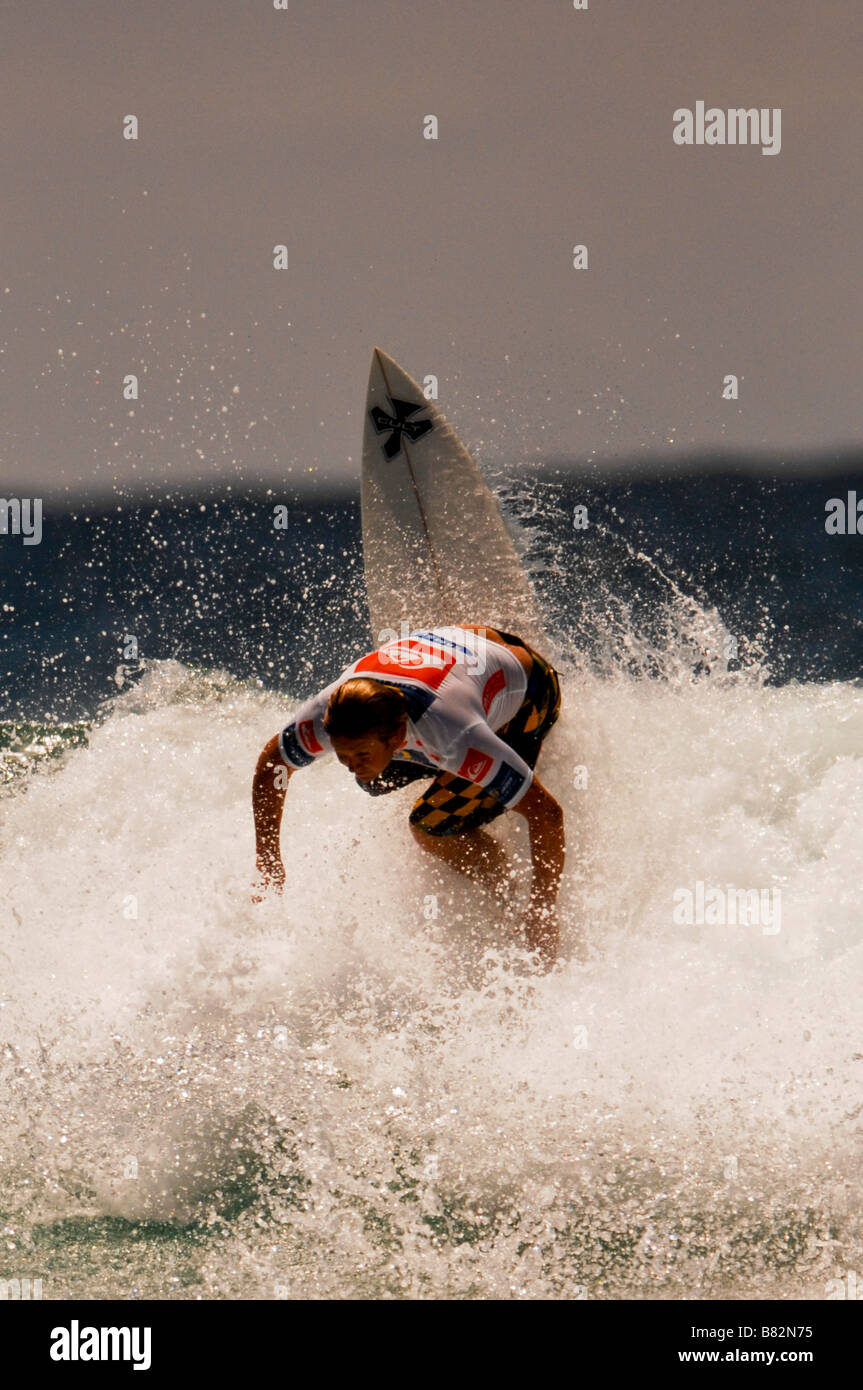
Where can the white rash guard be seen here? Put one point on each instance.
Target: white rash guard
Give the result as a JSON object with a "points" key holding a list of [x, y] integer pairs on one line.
{"points": [[459, 687]]}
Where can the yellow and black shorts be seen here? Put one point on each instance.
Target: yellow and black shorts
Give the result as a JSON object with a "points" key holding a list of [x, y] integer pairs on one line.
{"points": [[451, 805]]}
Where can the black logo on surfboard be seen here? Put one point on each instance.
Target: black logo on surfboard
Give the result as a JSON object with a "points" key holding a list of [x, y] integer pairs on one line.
{"points": [[399, 423]]}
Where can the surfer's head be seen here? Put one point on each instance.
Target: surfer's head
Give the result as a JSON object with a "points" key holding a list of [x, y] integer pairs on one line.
{"points": [[366, 721]]}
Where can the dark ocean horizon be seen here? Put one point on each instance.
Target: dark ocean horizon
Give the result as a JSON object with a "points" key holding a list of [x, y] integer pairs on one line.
{"points": [[205, 578]]}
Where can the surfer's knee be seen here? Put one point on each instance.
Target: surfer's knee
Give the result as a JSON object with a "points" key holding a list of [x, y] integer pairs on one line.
{"points": [[428, 837]]}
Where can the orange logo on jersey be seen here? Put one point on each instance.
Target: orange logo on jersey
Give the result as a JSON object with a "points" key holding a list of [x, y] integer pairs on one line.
{"points": [[493, 685], [406, 659], [476, 764], [307, 737]]}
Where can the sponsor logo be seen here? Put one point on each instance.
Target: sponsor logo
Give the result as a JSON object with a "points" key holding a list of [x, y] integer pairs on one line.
{"points": [[306, 735], [471, 657], [407, 659], [507, 782], [492, 687], [397, 424], [291, 749], [403, 653], [475, 766]]}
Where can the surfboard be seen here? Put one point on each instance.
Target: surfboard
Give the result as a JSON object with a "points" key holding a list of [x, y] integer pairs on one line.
{"points": [[436, 549]]}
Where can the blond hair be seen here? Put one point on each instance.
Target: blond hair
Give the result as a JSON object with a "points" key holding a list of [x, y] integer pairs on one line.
{"points": [[363, 706]]}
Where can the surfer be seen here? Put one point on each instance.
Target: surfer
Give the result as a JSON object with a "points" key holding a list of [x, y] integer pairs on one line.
{"points": [[466, 706]]}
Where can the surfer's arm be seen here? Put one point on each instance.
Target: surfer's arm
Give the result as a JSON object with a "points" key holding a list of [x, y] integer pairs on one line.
{"points": [[268, 799], [544, 817]]}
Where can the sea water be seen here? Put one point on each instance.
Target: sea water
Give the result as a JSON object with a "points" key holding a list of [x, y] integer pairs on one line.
{"points": [[363, 1088]]}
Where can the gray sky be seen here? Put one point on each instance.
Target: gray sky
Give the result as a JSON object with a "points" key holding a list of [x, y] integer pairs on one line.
{"points": [[306, 127]]}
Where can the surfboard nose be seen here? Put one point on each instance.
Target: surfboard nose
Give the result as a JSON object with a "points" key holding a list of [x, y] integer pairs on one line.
{"points": [[435, 546]]}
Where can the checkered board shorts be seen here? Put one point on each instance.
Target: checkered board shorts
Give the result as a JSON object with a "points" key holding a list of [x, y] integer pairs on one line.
{"points": [[451, 805]]}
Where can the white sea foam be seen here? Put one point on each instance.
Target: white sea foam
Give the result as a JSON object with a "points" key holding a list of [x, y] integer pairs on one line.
{"points": [[366, 1100]]}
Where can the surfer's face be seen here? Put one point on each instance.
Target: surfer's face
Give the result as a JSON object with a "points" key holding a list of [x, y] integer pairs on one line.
{"points": [[367, 756]]}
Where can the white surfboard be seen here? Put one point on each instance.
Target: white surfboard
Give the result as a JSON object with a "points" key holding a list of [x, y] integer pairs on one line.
{"points": [[435, 546]]}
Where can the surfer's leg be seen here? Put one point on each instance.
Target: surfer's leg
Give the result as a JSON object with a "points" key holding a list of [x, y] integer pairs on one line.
{"points": [[446, 821], [453, 806], [538, 712], [540, 707], [474, 853]]}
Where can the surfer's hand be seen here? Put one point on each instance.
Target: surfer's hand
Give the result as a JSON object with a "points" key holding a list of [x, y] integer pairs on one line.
{"points": [[272, 873]]}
